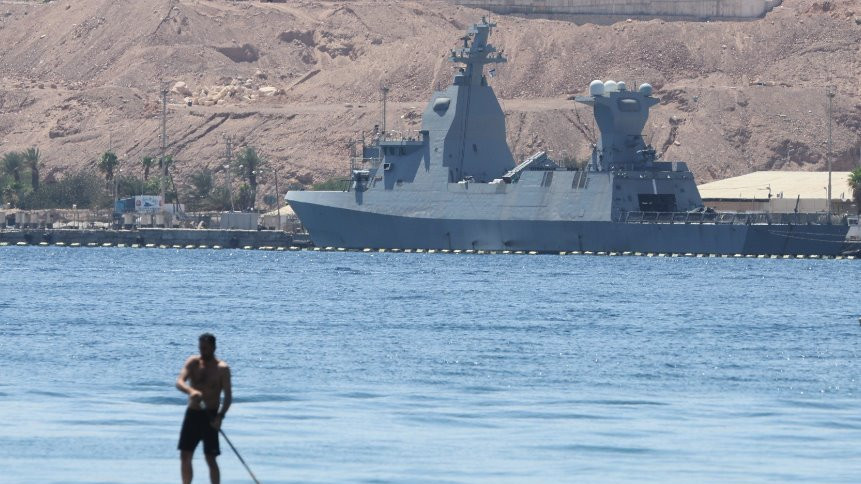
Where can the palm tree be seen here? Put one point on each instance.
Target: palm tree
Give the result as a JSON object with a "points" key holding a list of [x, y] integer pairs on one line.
{"points": [[855, 183], [13, 164], [108, 163], [248, 164], [32, 157], [148, 162]]}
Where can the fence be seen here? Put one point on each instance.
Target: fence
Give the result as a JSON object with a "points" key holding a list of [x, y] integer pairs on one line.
{"points": [[731, 218]]}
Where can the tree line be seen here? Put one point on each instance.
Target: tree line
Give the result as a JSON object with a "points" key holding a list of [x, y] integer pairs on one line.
{"points": [[229, 187]]}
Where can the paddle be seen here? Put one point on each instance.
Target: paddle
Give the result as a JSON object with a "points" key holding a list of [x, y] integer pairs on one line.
{"points": [[203, 406], [240, 457]]}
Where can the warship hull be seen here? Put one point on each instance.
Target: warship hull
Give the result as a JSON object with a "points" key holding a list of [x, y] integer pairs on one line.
{"points": [[331, 226]]}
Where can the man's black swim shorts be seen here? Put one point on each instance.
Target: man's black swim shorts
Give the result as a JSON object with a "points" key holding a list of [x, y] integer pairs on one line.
{"points": [[197, 427]]}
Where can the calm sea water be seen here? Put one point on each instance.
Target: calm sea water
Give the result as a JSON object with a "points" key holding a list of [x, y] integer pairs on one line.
{"points": [[411, 368]]}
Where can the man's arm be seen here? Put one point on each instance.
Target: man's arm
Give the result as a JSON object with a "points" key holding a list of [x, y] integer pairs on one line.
{"points": [[228, 391], [228, 397], [181, 380]]}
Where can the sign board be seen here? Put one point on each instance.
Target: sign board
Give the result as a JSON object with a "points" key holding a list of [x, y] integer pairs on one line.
{"points": [[148, 203]]}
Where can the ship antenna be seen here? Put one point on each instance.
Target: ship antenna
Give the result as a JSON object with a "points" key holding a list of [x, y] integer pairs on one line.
{"points": [[384, 94]]}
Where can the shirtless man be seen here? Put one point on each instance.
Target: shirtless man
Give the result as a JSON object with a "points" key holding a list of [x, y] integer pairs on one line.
{"points": [[203, 378]]}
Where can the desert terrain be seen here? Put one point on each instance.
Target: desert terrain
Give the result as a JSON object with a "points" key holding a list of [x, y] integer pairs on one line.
{"points": [[298, 80]]}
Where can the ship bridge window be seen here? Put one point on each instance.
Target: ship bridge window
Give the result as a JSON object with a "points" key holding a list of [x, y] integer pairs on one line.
{"points": [[629, 105], [657, 203]]}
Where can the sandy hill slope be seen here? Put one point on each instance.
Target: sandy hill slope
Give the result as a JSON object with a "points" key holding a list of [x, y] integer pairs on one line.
{"points": [[299, 79]]}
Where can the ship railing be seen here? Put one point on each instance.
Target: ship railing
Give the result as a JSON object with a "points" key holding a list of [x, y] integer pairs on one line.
{"points": [[730, 218]]}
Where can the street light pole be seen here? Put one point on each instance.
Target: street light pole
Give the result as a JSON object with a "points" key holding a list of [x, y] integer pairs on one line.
{"points": [[163, 177], [829, 92], [228, 176], [278, 198]]}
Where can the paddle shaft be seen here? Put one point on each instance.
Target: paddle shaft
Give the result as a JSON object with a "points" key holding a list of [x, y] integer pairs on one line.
{"points": [[239, 456], [203, 406]]}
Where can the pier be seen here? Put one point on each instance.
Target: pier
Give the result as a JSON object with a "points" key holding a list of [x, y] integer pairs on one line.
{"points": [[234, 239]]}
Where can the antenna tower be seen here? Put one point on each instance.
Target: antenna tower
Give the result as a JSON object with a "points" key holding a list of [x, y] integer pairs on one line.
{"points": [[384, 91]]}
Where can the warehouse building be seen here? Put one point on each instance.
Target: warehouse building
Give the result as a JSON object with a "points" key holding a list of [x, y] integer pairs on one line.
{"points": [[780, 192]]}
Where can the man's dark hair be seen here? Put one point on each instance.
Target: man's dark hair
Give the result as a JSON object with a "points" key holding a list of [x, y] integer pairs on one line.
{"points": [[209, 338]]}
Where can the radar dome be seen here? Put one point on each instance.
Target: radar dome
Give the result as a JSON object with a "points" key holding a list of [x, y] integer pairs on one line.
{"points": [[596, 88], [622, 86], [610, 86], [646, 89]]}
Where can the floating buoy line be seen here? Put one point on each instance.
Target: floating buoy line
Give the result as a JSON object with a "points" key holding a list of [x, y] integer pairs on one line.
{"points": [[433, 251]]}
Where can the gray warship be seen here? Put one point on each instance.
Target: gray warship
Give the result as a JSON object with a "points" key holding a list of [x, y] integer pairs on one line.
{"points": [[455, 186]]}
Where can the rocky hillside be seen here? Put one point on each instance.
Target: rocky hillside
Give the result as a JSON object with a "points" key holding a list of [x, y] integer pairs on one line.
{"points": [[299, 79]]}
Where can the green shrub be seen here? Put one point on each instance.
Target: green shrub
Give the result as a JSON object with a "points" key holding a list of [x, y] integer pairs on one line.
{"points": [[337, 184]]}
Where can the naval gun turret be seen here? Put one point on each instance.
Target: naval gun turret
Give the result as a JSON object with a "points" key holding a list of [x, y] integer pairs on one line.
{"points": [[621, 116]]}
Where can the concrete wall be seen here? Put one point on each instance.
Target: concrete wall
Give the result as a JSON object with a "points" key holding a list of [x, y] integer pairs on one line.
{"points": [[692, 9], [169, 237]]}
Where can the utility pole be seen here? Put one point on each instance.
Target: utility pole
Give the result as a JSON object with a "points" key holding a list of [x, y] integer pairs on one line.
{"points": [[228, 177], [162, 160], [829, 93], [278, 198]]}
